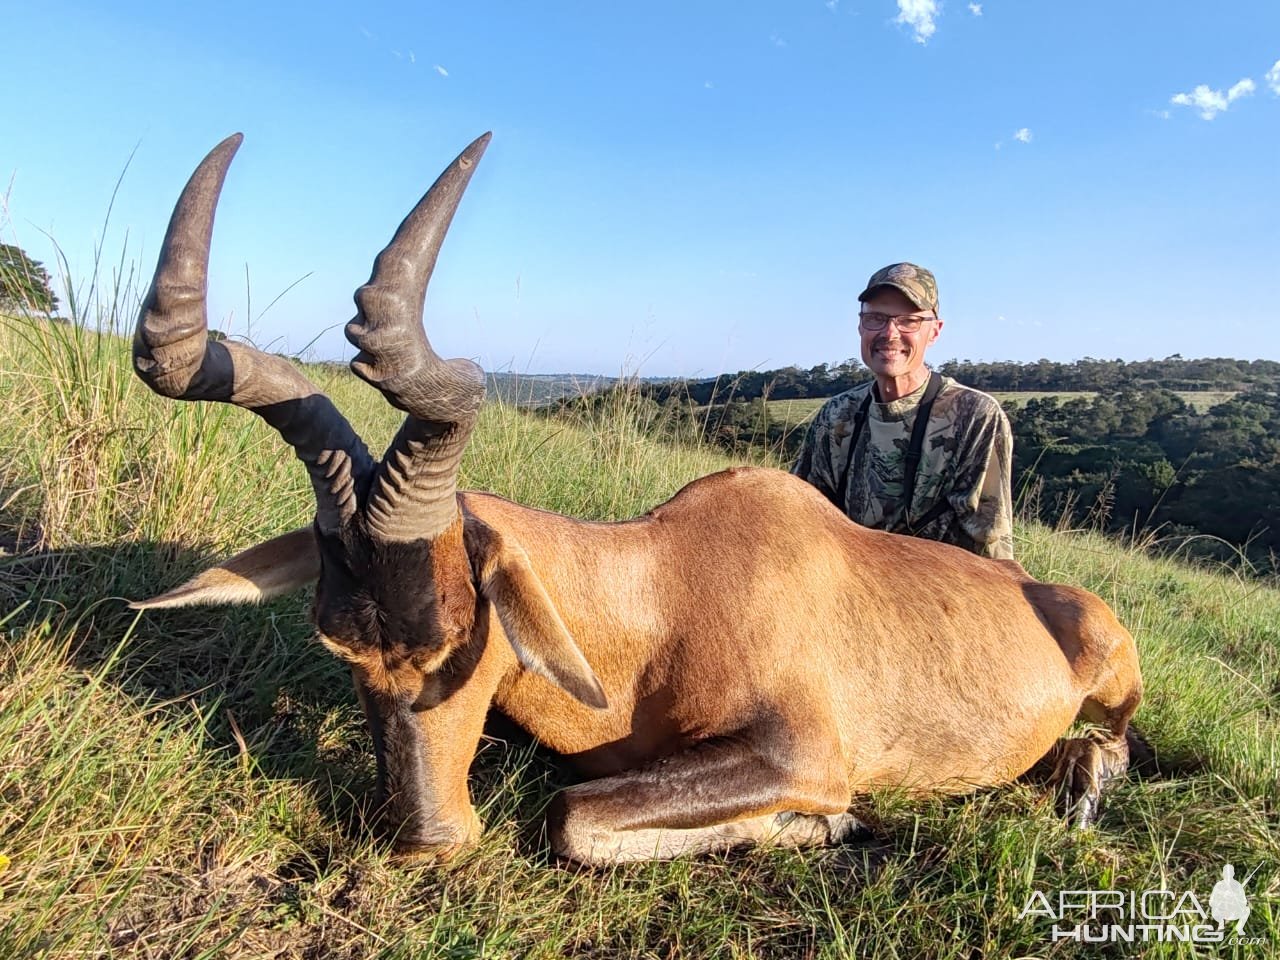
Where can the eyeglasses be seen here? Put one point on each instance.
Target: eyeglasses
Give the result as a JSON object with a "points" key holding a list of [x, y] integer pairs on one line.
{"points": [[878, 321]]}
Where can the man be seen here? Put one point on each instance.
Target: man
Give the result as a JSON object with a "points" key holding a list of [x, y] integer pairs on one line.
{"points": [[944, 476]]}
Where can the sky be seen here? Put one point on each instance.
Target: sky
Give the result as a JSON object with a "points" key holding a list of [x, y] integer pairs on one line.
{"points": [[677, 188]]}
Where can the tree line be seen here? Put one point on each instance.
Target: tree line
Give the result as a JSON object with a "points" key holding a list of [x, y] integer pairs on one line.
{"points": [[1089, 374]]}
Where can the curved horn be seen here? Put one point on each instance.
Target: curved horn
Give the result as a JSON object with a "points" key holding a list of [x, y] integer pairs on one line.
{"points": [[173, 355], [414, 495]]}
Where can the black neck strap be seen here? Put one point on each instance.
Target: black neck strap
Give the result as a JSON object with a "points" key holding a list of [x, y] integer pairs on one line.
{"points": [[914, 448]]}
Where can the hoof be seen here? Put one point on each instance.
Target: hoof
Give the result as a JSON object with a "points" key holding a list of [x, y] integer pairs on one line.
{"points": [[842, 827], [817, 829], [1083, 768]]}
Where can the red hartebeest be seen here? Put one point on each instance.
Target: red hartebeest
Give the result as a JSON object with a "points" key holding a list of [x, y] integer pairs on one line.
{"points": [[730, 668]]}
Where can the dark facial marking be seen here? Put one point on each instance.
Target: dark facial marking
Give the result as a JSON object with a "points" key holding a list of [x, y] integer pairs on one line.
{"points": [[399, 611]]}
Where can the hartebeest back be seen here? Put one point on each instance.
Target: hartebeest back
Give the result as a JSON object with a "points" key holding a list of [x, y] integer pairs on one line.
{"points": [[730, 668]]}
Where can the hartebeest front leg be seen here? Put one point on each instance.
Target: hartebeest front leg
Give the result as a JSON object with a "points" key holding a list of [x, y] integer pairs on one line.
{"points": [[423, 757], [425, 729], [720, 794]]}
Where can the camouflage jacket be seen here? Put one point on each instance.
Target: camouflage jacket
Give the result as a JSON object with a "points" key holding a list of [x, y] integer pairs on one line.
{"points": [[966, 459]]}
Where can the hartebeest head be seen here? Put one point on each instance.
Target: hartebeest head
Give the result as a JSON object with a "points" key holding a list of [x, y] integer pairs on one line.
{"points": [[404, 582]]}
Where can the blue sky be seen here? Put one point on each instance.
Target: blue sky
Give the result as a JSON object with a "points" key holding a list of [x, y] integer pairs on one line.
{"points": [[681, 188]]}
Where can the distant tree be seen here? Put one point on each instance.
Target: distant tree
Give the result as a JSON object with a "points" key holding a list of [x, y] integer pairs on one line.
{"points": [[24, 283]]}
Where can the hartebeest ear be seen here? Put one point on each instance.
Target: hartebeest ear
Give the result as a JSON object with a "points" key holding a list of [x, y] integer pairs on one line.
{"points": [[259, 573], [530, 620]]}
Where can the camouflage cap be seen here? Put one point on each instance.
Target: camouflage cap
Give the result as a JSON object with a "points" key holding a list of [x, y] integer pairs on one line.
{"points": [[916, 283]]}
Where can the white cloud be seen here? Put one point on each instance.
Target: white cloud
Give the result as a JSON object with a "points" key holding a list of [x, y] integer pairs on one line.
{"points": [[919, 16], [776, 40], [1273, 78], [1021, 135], [1241, 89], [412, 58], [832, 4], [975, 9], [708, 85], [1211, 102], [441, 70]]}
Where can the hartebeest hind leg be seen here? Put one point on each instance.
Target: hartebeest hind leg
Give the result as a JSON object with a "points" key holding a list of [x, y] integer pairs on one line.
{"points": [[715, 796], [1105, 660]]}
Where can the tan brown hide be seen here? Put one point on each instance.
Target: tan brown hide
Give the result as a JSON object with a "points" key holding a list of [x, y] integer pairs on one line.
{"points": [[731, 668], [749, 594], [872, 659]]}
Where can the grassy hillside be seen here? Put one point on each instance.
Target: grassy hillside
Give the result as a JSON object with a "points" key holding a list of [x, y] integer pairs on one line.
{"points": [[190, 784]]}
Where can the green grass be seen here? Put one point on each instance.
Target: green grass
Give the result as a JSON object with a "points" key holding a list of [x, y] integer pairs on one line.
{"points": [[1018, 397], [191, 783], [796, 412], [1202, 400], [1199, 400]]}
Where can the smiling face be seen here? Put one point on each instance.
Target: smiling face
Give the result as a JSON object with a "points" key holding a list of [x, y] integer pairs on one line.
{"points": [[896, 358]]}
